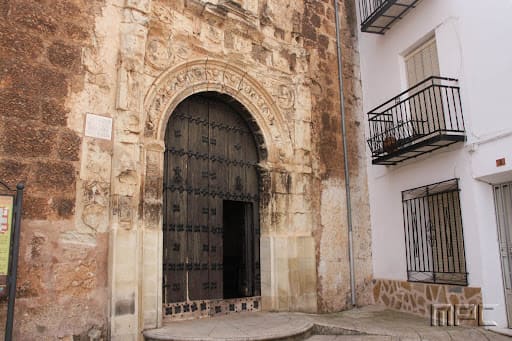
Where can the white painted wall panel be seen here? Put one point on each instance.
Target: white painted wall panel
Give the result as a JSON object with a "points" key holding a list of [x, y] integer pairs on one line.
{"points": [[473, 45]]}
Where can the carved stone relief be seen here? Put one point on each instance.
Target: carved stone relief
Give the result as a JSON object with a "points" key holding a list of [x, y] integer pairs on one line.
{"points": [[285, 96], [210, 74], [143, 6], [162, 13], [95, 211], [158, 53]]}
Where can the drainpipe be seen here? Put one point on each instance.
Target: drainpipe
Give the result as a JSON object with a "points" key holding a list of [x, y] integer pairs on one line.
{"points": [[345, 159]]}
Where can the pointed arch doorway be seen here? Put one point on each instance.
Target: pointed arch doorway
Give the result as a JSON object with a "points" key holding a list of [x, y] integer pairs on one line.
{"points": [[211, 211]]}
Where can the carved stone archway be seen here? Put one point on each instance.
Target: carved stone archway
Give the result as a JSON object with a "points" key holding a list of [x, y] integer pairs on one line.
{"points": [[201, 75], [164, 95]]}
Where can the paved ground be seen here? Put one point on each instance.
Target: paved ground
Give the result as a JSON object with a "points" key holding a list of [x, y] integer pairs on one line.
{"points": [[365, 324], [382, 324]]}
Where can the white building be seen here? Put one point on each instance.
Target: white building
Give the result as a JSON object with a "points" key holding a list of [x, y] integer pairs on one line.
{"points": [[428, 235]]}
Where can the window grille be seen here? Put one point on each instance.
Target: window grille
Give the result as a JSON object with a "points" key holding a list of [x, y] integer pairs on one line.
{"points": [[434, 240]]}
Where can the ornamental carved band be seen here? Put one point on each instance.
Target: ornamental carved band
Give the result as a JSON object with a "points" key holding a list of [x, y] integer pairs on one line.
{"points": [[179, 82]]}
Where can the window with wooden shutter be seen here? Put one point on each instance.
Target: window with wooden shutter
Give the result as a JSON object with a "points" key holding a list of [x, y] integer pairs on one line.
{"points": [[421, 64]]}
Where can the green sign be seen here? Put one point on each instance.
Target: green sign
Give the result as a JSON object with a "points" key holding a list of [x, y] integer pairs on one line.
{"points": [[6, 214]]}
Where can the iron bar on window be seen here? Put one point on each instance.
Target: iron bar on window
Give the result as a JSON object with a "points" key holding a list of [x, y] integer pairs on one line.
{"points": [[434, 239]]}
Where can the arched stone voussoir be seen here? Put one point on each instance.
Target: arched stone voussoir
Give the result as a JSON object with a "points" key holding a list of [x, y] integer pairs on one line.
{"points": [[202, 75]]}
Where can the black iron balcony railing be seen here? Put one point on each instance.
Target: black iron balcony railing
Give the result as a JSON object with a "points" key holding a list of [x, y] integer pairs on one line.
{"points": [[422, 119], [377, 16]]}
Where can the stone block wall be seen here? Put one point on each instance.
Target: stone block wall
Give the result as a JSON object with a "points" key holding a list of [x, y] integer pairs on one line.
{"points": [[418, 298], [91, 239], [330, 224], [62, 283]]}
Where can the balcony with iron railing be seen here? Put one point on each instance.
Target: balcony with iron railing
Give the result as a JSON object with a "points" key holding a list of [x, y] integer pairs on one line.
{"points": [[377, 16], [420, 120]]}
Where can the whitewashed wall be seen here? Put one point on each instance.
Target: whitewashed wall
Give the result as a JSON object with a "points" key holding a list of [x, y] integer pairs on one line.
{"points": [[473, 39]]}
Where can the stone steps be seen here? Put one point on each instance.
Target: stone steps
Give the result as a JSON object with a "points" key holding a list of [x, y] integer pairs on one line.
{"points": [[235, 327], [350, 338], [250, 326]]}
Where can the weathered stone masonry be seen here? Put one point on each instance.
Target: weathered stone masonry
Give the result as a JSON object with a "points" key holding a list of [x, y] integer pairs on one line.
{"points": [[41, 67], [330, 231], [92, 231]]}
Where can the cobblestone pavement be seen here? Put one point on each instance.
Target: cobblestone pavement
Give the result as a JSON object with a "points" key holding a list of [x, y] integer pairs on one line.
{"points": [[363, 324]]}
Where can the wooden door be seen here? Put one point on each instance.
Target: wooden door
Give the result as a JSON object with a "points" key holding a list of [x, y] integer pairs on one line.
{"points": [[210, 157], [175, 212], [503, 204], [427, 106]]}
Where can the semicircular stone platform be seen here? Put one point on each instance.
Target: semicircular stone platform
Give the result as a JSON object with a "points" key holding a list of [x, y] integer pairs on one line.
{"points": [[236, 327]]}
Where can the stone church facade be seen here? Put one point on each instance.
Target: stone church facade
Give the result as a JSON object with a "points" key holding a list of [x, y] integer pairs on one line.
{"points": [[92, 258]]}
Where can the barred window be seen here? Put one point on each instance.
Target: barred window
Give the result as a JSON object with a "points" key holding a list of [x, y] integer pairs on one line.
{"points": [[434, 240]]}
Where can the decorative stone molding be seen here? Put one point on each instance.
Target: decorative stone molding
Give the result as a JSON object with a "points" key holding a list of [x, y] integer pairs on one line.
{"points": [[244, 10], [143, 6], [191, 77]]}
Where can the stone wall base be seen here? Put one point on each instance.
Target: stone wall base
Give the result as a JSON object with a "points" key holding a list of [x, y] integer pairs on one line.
{"points": [[418, 298]]}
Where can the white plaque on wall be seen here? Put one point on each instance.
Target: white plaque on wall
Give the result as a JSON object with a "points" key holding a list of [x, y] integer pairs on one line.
{"points": [[99, 127]]}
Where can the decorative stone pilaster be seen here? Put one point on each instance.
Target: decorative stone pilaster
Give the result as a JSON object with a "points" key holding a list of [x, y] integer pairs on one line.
{"points": [[126, 233]]}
